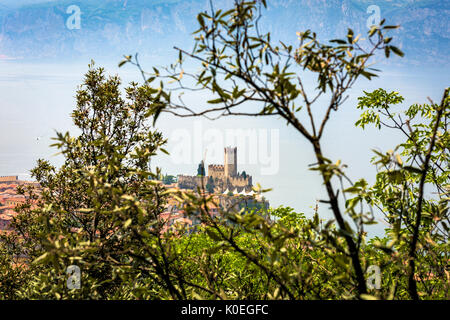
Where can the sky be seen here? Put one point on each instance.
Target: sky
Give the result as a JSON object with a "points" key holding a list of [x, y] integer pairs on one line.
{"points": [[44, 54]]}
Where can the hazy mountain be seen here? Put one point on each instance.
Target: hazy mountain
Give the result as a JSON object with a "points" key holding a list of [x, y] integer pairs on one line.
{"points": [[114, 27], [424, 33]]}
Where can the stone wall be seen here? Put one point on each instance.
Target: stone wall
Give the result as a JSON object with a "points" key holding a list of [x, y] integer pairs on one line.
{"points": [[191, 182], [240, 181]]}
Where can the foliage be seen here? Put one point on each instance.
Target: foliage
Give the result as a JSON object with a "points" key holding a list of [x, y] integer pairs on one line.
{"points": [[201, 169], [240, 65], [210, 185], [90, 208], [102, 209], [418, 233], [169, 179]]}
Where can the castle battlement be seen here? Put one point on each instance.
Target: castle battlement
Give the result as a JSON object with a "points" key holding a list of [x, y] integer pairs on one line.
{"points": [[239, 178], [216, 167]]}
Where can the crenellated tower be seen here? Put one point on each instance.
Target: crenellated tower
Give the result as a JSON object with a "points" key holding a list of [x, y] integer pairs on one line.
{"points": [[230, 163]]}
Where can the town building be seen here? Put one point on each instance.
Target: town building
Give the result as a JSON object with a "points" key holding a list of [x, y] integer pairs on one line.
{"points": [[10, 199]]}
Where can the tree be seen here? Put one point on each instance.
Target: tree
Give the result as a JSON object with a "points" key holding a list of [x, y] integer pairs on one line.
{"points": [[210, 185], [201, 169], [238, 64], [99, 210], [169, 179], [418, 233]]}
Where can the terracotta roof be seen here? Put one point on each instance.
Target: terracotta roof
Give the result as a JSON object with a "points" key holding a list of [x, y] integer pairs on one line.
{"points": [[5, 217]]}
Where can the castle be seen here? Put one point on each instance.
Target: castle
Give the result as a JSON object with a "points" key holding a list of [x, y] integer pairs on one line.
{"points": [[220, 178]]}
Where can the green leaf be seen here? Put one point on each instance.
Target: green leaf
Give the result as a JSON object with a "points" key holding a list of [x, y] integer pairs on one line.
{"points": [[413, 169], [214, 236], [397, 51], [391, 27], [127, 223], [41, 258], [215, 101]]}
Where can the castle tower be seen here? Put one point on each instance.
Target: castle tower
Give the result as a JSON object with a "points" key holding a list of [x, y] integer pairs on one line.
{"points": [[230, 162]]}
